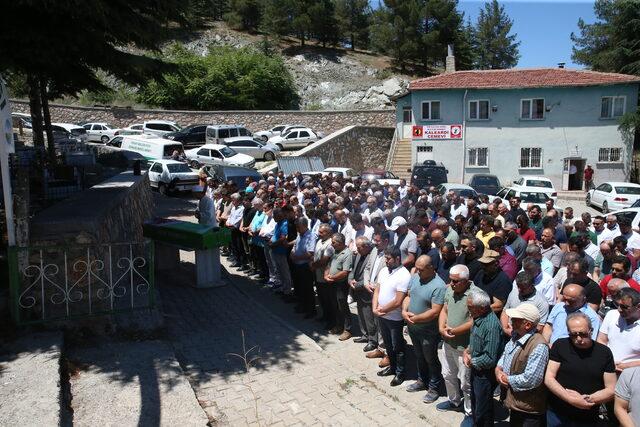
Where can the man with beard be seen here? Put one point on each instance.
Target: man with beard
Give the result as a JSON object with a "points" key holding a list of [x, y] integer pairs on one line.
{"points": [[493, 280], [470, 250], [517, 244]]}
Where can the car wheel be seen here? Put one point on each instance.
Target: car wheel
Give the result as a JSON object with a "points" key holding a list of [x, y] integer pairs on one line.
{"points": [[195, 164], [104, 139], [162, 188], [587, 200], [605, 207], [310, 143], [264, 138], [280, 147], [269, 156]]}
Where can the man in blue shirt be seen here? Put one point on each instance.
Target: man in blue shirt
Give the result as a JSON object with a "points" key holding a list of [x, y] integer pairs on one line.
{"points": [[574, 300], [421, 309], [279, 250], [301, 256]]}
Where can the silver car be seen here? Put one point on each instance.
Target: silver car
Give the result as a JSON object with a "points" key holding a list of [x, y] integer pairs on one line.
{"points": [[255, 148]]}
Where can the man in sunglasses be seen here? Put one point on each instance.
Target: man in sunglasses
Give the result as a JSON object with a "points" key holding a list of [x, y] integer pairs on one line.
{"points": [[580, 375], [620, 329]]}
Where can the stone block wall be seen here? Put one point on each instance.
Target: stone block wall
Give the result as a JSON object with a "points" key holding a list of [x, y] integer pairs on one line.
{"points": [[322, 121], [356, 147]]}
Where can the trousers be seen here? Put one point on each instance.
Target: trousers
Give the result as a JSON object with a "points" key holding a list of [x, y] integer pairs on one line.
{"points": [[483, 382], [457, 377], [425, 347], [393, 337]]}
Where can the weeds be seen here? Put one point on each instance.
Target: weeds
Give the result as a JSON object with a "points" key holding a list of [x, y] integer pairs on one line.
{"points": [[248, 362]]}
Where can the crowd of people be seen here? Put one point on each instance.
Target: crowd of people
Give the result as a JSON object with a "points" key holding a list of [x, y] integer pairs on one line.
{"points": [[524, 302]]}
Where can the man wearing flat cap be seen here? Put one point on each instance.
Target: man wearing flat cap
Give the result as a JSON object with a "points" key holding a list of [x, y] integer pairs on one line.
{"points": [[493, 280], [522, 367]]}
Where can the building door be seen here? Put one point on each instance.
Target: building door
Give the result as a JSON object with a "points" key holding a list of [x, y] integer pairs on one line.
{"points": [[572, 174], [407, 122], [424, 153]]}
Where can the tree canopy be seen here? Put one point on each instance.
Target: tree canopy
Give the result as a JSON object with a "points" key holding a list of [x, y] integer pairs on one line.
{"points": [[495, 48]]}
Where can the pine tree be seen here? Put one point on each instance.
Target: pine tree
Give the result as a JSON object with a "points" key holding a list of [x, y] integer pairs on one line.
{"points": [[244, 14], [444, 25], [324, 25], [495, 47], [406, 26], [381, 30], [353, 21], [276, 18]]}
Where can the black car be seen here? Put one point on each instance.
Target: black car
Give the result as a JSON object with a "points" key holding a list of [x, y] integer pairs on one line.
{"points": [[190, 136], [485, 184], [427, 174], [237, 174]]}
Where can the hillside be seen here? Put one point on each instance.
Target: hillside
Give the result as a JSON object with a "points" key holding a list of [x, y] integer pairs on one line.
{"points": [[325, 78]]}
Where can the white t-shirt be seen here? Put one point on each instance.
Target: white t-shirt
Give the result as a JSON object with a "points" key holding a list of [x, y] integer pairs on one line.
{"points": [[390, 283], [624, 339]]}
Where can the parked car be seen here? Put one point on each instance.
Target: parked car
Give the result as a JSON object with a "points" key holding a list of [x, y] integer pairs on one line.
{"points": [[63, 139], [613, 196], [536, 197], [344, 172], [159, 127], [75, 130], [134, 129], [237, 174], [150, 147], [216, 134], [427, 174], [632, 214], [380, 176], [210, 154], [485, 184], [253, 147], [99, 132], [170, 175], [21, 119], [265, 135], [296, 138], [463, 190], [536, 183], [190, 136]]}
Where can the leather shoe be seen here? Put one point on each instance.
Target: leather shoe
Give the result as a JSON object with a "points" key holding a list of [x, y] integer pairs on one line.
{"points": [[385, 372], [375, 354], [369, 347], [397, 380], [344, 336], [360, 340], [384, 362]]}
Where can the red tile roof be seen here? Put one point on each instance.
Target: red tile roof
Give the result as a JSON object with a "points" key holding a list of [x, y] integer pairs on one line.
{"points": [[520, 78]]}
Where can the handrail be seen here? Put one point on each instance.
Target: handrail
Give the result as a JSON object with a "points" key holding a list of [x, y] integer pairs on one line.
{"points": [[392, 149]]}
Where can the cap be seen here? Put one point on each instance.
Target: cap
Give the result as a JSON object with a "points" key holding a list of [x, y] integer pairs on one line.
{"points": [[489, 256], [524, 311], [397, 222]]}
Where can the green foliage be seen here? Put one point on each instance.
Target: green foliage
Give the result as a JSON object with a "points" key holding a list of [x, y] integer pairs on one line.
{"points": [[225, 79], [244, 14], [353, 18], [323, 22], [495, 48], [276, 18], [202, 9]]}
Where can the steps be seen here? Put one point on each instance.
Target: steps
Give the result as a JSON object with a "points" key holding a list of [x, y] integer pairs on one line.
{"points": [[402, 159]]}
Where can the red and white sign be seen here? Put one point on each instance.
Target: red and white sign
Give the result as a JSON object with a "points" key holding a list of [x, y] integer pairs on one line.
{"points": [[437, 132]]}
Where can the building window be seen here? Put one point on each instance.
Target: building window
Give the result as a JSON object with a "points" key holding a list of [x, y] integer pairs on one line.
{"points": [[431, 110], [610, 155], [532, 109], [478, 157], [425, 149], [406, 115], [531, 158], [612, 106], [479, 110]]}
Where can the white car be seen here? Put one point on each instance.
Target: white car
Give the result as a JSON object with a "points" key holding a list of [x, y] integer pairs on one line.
{"points": [[253, 147], [295, 138], [99, 132], [463, 190], [614, 196], [170, 175], [632, 214], [211, 154], [344, 172], [265, 135], [75, 130], [134, 129], [536, 183], [534, 197], [159, 127], [380, 176]]}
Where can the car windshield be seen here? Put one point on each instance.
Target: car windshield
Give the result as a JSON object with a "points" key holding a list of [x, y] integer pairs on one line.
{"points": [[178, 167], [539, 183], [628, 190], [533, 197], [466, 193], [228, 152], [485, 180]]}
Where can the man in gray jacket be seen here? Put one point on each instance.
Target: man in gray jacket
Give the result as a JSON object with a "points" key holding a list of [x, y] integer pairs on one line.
{"points": [[359, 280]]}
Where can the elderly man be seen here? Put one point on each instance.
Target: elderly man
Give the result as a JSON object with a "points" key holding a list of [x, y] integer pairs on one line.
{"points": [[381, 242], [611, 231], [574, 300], [525, 291], [454, 324], [542, 281], [620, 330], [360, 228], [493, 280], [516, 243], [482, 356], [421, 309], [522, 366], [326, 292], [337, 275], [580, 375], [360, 282], [578, 273], [233, 222], [405, 240], [301, 256], [549, 249], [535, 252], [449, 234], [344, 226], [393, 283]]}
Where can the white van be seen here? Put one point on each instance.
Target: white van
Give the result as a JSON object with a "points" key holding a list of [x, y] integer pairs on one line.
{"points": [[216, 134], [152, 148]]}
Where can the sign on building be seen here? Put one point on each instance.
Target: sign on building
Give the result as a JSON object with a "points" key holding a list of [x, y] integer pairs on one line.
{"points": [[437, 132]]}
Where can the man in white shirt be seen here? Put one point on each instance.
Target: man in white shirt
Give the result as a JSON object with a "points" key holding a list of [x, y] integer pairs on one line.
{"points": [[458, 207], [620, 329], [610, 231], [206, 213], [344, 226], [542, 281], [233, 222], [360, 229], [403, 189], [266, 233], [387, 305]]}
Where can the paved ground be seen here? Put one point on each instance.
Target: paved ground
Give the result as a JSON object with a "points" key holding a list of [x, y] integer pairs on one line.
{"points": [[29, 381]]}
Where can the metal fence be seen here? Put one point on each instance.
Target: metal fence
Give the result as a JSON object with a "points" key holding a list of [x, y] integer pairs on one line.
{"points": [[62, 283]]}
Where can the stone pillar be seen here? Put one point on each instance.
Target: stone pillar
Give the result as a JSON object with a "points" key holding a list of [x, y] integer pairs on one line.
{"points": [[450, 64]]}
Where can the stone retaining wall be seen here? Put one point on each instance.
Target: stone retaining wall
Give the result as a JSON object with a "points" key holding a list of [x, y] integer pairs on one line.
{"points": [[322, 121]]}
